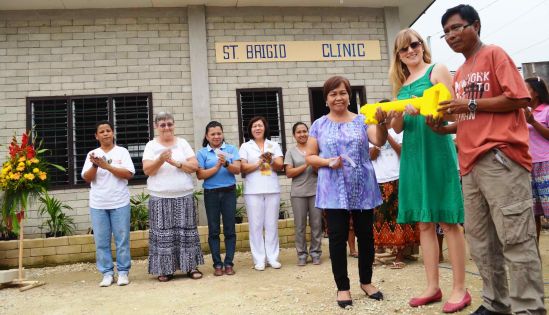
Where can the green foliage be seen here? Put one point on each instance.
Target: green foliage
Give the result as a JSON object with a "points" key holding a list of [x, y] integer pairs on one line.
{"points": [[139, 219], [240, 211], [58, 223], [283, 210]]}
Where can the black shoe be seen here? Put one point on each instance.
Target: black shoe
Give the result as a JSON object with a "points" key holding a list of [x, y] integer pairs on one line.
{"points": [[378, 296], [344, 303], [484, 311]]}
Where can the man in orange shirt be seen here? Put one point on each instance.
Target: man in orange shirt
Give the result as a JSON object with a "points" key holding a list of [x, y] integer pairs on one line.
{"points": [[492, 138]]}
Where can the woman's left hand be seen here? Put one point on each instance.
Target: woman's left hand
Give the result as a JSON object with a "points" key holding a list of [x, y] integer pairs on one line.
{"points": [[101, 162], [529, 116]]}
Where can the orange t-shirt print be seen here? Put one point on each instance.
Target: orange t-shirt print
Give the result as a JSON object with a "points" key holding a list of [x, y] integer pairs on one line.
{"points": [[491, 73]]}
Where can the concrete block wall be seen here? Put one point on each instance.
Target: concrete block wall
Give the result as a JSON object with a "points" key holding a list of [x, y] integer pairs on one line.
{"points": [[81, 248], [78, 52], [290, 24]]}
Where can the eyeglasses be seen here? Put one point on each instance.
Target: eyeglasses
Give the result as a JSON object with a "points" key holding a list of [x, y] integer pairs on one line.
{"points": [[413, 45], [455, 29], [169, 125]]}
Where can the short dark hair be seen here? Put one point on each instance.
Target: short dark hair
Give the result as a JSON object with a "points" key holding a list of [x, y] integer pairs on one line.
{"points": [[294, 127], [103, 122], [266, 134], [538, 85], [465, 11], [335, 81], [211, 124]]}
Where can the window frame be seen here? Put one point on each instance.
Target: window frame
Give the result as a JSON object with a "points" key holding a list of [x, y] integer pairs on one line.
{"points": [[278, 90], [70, 122]]}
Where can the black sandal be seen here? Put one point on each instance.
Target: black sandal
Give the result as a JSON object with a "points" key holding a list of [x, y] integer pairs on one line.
{"points": [[165, 278], [194, 274]]}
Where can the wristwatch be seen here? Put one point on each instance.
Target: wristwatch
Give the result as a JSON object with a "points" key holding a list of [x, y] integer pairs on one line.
{"points": [[472, 105], [226, 164]]}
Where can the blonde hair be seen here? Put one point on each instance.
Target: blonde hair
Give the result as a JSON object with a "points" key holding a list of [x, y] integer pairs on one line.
{"points": [[398, 72]]}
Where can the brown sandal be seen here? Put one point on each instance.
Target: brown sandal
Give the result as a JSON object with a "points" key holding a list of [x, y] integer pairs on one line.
{"points": [[194, 274], [165, 278]]}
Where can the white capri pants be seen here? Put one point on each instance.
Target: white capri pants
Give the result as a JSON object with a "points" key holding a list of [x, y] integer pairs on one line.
{"points": [[262, 212]]}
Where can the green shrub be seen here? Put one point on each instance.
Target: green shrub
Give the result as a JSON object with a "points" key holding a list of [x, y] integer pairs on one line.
{"points": [[139, 219], [58, 223]]}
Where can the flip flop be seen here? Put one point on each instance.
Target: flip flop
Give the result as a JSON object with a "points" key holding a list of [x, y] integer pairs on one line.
{"points": [[355, 254], [165, 278], [397, 265], [194, 274]]}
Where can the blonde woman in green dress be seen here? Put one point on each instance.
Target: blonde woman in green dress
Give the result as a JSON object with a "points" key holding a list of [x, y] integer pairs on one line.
{"points": [[429, 187]]}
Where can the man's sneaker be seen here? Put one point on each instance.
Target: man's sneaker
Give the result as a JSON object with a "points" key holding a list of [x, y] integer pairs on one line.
{"points": [[301, 261], [123, 280], [275, 264], [259, 267], [107, 281]]}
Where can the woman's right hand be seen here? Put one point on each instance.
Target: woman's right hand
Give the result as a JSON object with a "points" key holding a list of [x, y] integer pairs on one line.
{"points": [[411, 110], [166, 155], [335, 163]]}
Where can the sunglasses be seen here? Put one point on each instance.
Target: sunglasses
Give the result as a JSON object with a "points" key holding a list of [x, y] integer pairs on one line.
{"points": [[169, 125], [413, 45]]}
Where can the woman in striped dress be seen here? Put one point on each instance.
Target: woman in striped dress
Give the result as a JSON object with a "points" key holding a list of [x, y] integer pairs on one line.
{"points": [[174, 244]]}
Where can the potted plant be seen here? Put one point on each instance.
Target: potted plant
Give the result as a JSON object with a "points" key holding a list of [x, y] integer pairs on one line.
{"points": [[139, 219], [283, 211], [58, 223], [240, 211]]}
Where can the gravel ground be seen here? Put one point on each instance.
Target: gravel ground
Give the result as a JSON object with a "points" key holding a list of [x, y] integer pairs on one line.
{"points": [[73, 289]]}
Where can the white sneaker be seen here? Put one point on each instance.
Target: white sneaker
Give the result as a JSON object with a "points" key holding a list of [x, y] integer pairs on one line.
{"points": [[259, 267], [123, 280], [107, 281], [275, 265]]}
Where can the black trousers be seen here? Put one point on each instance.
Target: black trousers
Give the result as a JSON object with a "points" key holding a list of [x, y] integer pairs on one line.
{"points": [[338, 231]]}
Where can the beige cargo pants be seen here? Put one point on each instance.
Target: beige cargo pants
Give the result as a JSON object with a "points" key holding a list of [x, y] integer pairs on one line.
{"points": [[500, 230]]}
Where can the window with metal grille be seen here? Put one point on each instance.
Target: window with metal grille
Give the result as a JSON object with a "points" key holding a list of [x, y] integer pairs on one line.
{"points": [[261, 102], [66, 127]]}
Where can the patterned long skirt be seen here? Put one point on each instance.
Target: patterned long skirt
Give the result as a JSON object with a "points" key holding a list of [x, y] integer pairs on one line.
{"points": [[540, 188], [173, 236], [387, 233]]}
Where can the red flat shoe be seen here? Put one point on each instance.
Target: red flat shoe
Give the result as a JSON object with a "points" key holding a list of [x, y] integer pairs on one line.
{"points": [[456, 307], [415, 302]]}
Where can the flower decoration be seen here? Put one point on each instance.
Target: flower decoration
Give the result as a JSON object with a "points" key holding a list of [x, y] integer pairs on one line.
{"points": [[23, 175]]}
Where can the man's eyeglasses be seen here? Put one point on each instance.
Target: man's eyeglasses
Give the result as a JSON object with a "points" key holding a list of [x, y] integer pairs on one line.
{"points": [[169, 125], [455, 29], [414, 45]]}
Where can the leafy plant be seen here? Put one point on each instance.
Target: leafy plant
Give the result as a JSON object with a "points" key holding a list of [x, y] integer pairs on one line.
{"points": [[240, 211], [139, 218], [58, 223], [283, 211], [24, 176]]}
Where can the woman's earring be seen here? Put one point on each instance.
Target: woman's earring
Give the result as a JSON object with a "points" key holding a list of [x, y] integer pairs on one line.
{"points": [[326, 104]]}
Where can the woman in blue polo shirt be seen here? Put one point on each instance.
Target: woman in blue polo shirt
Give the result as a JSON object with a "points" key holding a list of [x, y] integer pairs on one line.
{"points": [[218, 163]]}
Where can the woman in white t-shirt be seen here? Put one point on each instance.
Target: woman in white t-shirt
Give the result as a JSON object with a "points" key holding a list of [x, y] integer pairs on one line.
{"points": [[174, 243], [108, 169], [260, 159], [387, 233]]}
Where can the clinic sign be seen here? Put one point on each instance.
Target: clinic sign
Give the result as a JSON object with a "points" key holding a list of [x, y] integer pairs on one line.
{"points": [[336, 50]]}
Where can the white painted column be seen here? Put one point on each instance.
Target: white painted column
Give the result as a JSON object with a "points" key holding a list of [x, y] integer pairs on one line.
{"points": [[200, 87], [392, 27]]}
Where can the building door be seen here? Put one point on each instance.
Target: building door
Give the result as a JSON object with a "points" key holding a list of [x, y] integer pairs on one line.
{"points": [[318, 105]]}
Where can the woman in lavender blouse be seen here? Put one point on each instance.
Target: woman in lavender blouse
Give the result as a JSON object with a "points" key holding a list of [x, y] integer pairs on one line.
{"points": [[347, 186]]}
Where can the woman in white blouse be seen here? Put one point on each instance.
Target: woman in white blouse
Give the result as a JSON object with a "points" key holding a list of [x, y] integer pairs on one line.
{"points": [[174, 243], [261, 158]]}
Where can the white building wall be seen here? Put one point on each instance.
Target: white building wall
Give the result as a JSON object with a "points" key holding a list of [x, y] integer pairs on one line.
{"points": [[53, 53], [80, 52]]}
